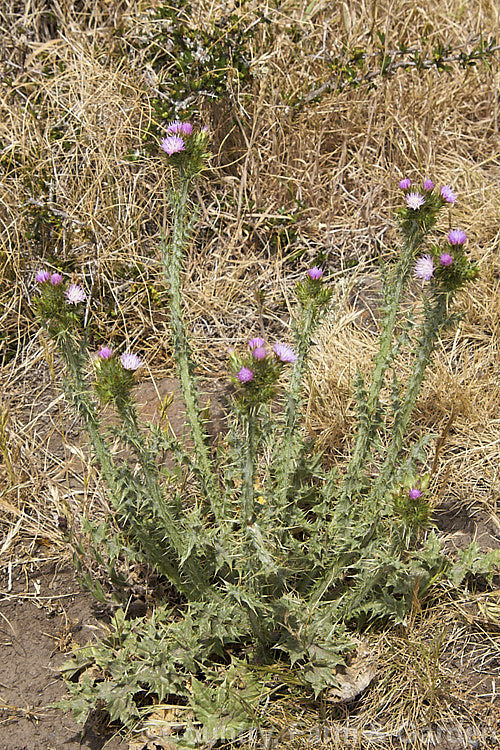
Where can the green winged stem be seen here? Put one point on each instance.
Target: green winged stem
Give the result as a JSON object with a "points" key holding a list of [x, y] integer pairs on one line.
{"points": [[355, 469], [291, 444], [172, 262], [435, 319], [77, 390]]}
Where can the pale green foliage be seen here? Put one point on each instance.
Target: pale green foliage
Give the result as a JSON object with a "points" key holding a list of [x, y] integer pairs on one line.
{"points": [[274, 555]]}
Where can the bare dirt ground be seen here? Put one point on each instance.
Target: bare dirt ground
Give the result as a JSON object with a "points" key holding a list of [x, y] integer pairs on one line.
{"points": [[44, 614]]}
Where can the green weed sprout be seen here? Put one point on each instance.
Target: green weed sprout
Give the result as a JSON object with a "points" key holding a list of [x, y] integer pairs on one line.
{"points": [[276, 558]]}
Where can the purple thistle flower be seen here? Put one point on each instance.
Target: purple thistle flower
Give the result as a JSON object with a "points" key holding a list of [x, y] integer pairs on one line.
{"points": [[104, 353], [186, 129], [180, 128], [405, 184], [42, 277], [446, 259], [414, 201], [457, 237], [56, 279], [447, 194], [130, 361], [415, 493], [260, 352], [315, 273], [75, 294], [245, 375], [284, 353], [428, 185], [255, 343], [174, 127], [424, 268], [172, 144]]}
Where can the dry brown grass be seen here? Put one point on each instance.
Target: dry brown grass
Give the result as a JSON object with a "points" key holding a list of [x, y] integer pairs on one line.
{"points": [[333, 164]]}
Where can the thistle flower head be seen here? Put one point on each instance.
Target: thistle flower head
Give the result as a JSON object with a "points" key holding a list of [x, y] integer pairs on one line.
{"points": [[245, 375], [457, 237], [447, 194], [104, 353], [428, 185], [414, 200], [284, 353], [315, 273], [405, 184], [260, 352], [56, 279], [256, 343], [446, 259], [172, 144], [415, 493], [424, 268], [130, 361], [180, 128], [42, 277], [74, 294]]}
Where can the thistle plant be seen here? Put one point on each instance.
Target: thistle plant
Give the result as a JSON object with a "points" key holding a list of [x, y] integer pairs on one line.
{"points": [[276, 557]]}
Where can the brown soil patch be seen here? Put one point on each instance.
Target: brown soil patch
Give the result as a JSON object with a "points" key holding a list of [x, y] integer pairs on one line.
{"points": [[43, 615]]}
